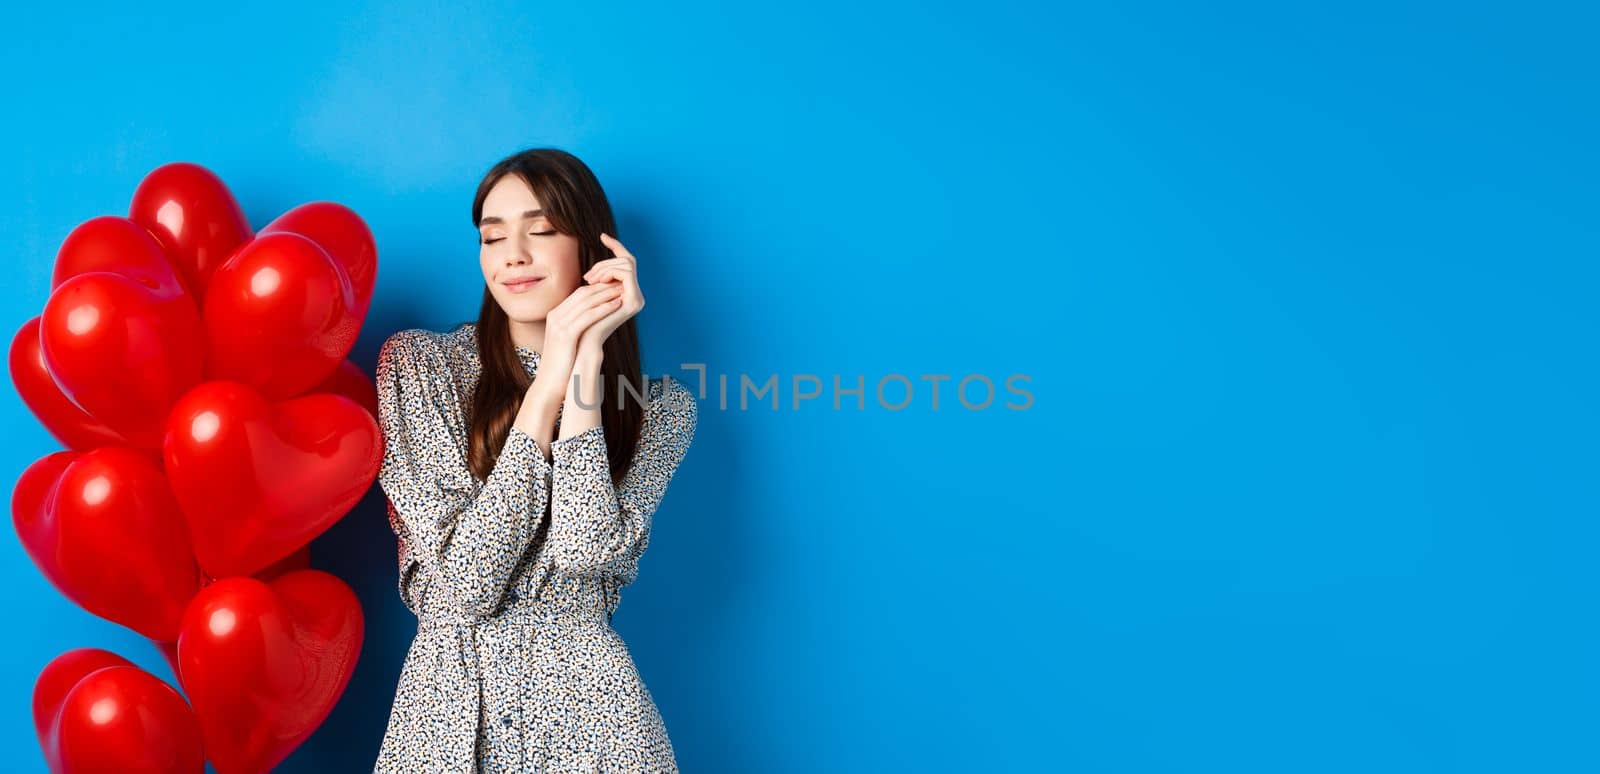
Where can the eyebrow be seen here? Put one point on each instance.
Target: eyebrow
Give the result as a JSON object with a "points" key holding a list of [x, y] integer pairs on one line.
{"points": [[525, 216]]}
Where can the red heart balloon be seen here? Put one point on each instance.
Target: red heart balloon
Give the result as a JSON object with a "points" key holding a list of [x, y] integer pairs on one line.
{"points": [[194, 217], [169, 651], [70, 425], [105, 530], [353, 383], [124, 719], [118, 246], [258, 480], [122, 352], [279, 316], [265, 663], [341, 232], [35, 488], [57, 678], [299, 560]]}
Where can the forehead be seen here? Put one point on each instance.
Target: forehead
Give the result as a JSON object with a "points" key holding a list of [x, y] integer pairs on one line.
{"points": [[508, 198]]}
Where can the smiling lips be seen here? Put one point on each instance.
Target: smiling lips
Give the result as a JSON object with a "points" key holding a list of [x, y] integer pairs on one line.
{"points": [[522, 285]]}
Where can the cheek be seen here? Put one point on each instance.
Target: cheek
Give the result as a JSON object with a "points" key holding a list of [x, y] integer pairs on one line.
{"points": [[565, 274], [564, 285]]}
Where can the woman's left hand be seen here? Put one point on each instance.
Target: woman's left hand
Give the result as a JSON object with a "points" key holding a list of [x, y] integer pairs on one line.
{"points": [[622, 269]]}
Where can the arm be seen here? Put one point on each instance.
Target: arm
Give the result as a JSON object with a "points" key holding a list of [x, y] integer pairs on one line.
{"points": [[600, 528], [451, 528]]}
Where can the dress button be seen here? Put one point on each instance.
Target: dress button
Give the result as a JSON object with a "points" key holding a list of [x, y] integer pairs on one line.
{"points": [[506, 721]]}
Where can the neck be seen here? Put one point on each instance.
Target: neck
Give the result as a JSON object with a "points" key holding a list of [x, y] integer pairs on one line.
{"points": [[527, 334]]}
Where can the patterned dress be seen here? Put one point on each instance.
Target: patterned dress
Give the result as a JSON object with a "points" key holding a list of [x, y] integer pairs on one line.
{"points": [[515, 666]]}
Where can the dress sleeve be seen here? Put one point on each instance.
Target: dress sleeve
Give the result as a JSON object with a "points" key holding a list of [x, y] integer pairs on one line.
{"points": [[598, 528], [456, 535]]}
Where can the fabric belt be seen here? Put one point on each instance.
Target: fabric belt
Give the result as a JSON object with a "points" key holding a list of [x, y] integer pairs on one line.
{"points": [[527, 612]]}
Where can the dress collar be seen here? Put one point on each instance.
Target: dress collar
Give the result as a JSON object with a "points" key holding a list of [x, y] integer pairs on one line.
{"points": [[467, 338]]}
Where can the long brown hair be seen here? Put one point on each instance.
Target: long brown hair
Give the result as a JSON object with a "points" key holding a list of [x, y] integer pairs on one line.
{"points": [[576, 205]]}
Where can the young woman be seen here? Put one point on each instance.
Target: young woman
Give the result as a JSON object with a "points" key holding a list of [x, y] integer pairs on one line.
{"points": [[522, 501]]}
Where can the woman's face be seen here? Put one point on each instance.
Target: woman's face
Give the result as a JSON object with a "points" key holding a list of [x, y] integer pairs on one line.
{"points": [[517, 242]]}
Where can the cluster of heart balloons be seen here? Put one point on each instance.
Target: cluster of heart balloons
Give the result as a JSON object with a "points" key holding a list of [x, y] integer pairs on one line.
{"points": [[197, 374]]}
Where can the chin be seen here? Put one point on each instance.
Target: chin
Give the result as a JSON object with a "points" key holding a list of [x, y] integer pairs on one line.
{"points": [[525, 310]]}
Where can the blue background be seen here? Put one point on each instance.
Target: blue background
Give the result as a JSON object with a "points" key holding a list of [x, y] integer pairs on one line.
{"points": [[1306, 297]]}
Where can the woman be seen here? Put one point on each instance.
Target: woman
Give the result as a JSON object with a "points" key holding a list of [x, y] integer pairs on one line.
{"points": [[521, 500]]}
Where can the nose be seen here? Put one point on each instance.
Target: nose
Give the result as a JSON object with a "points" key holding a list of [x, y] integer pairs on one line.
{"points": [[520, 255]]}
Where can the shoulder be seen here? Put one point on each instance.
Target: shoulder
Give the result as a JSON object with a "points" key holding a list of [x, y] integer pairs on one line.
{"points": [[407, 344], [440, 342], [672, 401], [416, 348]]}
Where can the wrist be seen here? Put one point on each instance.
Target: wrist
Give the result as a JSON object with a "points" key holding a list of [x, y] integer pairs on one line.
{"points": [[588, 359], [543, 398]]}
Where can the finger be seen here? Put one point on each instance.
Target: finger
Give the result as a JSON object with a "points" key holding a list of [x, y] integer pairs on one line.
{"points": [[616, 247], [586, 295], [623, 276], [598, 294], [595, 289], [595, 314], [608, 263]]}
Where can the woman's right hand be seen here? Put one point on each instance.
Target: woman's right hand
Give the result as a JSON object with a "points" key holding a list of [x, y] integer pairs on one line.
{"points": [[563, 327]]}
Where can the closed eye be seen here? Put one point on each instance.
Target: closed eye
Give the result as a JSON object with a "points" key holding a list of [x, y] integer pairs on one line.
{"points": [[533, 233]]}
